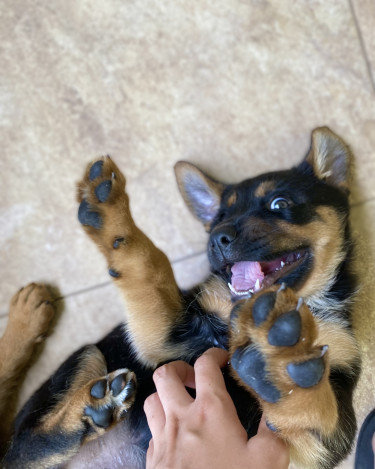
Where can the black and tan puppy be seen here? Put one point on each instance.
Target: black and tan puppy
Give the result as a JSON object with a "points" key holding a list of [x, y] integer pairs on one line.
{"points": [[279, 299]]}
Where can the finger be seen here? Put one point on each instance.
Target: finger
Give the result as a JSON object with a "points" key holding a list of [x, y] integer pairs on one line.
{"points": [[208, 375], [170, 381], [155, 414], [150, 453], [269, 448]]}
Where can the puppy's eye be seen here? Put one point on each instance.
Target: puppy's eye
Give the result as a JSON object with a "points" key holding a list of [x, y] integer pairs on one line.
{"points": [[278, 203]]}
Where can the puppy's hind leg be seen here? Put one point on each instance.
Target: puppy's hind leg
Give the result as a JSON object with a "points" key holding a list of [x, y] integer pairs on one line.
{"points": [[80, 402], [30, 316]]}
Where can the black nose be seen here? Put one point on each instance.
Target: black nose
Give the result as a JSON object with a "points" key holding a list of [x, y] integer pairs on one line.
{"points": [[223, 238]]}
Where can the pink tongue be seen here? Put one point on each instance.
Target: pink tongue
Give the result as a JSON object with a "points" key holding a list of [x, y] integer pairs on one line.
{"points": [[245, 275]]}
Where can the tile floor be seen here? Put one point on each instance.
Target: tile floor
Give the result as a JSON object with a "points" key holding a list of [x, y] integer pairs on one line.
{"points": [[232, 85]]}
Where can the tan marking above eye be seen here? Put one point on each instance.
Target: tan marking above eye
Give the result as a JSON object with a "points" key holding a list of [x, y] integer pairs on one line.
{"points": [[232, 199], [264, 187]]}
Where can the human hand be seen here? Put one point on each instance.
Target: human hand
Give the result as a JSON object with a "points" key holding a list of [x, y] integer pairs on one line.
{"points": [[204, 432]]}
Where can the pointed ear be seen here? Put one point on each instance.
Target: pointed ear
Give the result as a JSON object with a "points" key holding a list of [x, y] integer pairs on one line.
{"points": [[330, 158], [201, 193]]}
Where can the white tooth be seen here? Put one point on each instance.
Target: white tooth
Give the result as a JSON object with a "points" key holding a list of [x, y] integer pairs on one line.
{"points": [[282, 264], [238, 293], [257, 285]]}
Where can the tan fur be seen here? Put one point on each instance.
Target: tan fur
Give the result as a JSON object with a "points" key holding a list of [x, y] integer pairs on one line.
{"points": [[214, 297], [30, 316], [232, 199], [67, 414], [343, 348], [324, 235], [263, 188]]}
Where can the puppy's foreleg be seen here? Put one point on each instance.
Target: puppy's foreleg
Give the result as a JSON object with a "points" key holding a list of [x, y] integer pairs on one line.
{"points": [[141, 271]]}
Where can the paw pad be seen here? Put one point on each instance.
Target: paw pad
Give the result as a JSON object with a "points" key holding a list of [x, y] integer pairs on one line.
{"points": [[96, 170], [286, 330], [251, 368], [113, 273], [99, 389], [263, 306], [103, 190], [102, 417], [118, 384], [308, 373], [87, 217], [117, 242]]}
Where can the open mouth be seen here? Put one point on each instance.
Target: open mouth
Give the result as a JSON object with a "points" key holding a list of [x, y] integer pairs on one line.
{"points": [[248, 277]]}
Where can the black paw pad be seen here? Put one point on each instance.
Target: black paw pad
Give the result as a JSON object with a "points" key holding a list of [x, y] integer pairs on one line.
{"points": [[96, 170], [251, 368], [103, 190], [118, 384], [99, 389], [308, 373], [101, 417], [87, 217], [117, 242], [263, 306], [271, 426], [113, 273], [286, 330]]}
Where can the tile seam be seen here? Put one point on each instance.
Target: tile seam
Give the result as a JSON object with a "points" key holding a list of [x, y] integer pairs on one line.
{"points": [[4, 314], [362, 46]]}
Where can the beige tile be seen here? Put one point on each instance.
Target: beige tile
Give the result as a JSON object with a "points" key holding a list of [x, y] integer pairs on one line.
{"points": [[191, 271], [233, 86], [3, 323], [364, 11]]}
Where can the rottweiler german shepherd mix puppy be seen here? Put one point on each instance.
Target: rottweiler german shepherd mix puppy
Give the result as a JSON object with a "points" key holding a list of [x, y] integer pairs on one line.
{"points": [[279, 299]]}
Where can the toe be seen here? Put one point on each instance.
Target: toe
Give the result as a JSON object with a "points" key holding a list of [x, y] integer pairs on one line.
{"points": [[263, 306], [96, 170], [99, 389], [250, 365], [103, 190], [102, 417], [286, 330], [88, 217], [308, 373]]}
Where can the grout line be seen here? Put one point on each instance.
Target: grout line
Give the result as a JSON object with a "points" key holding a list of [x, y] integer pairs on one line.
{"points": [[189, 256], [105, 284], [361, 202], [363, 46], [84, 290]]}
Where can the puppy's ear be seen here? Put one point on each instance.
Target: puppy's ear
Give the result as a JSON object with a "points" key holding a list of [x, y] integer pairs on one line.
{"points": [[330, 158], [201, 193]]}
